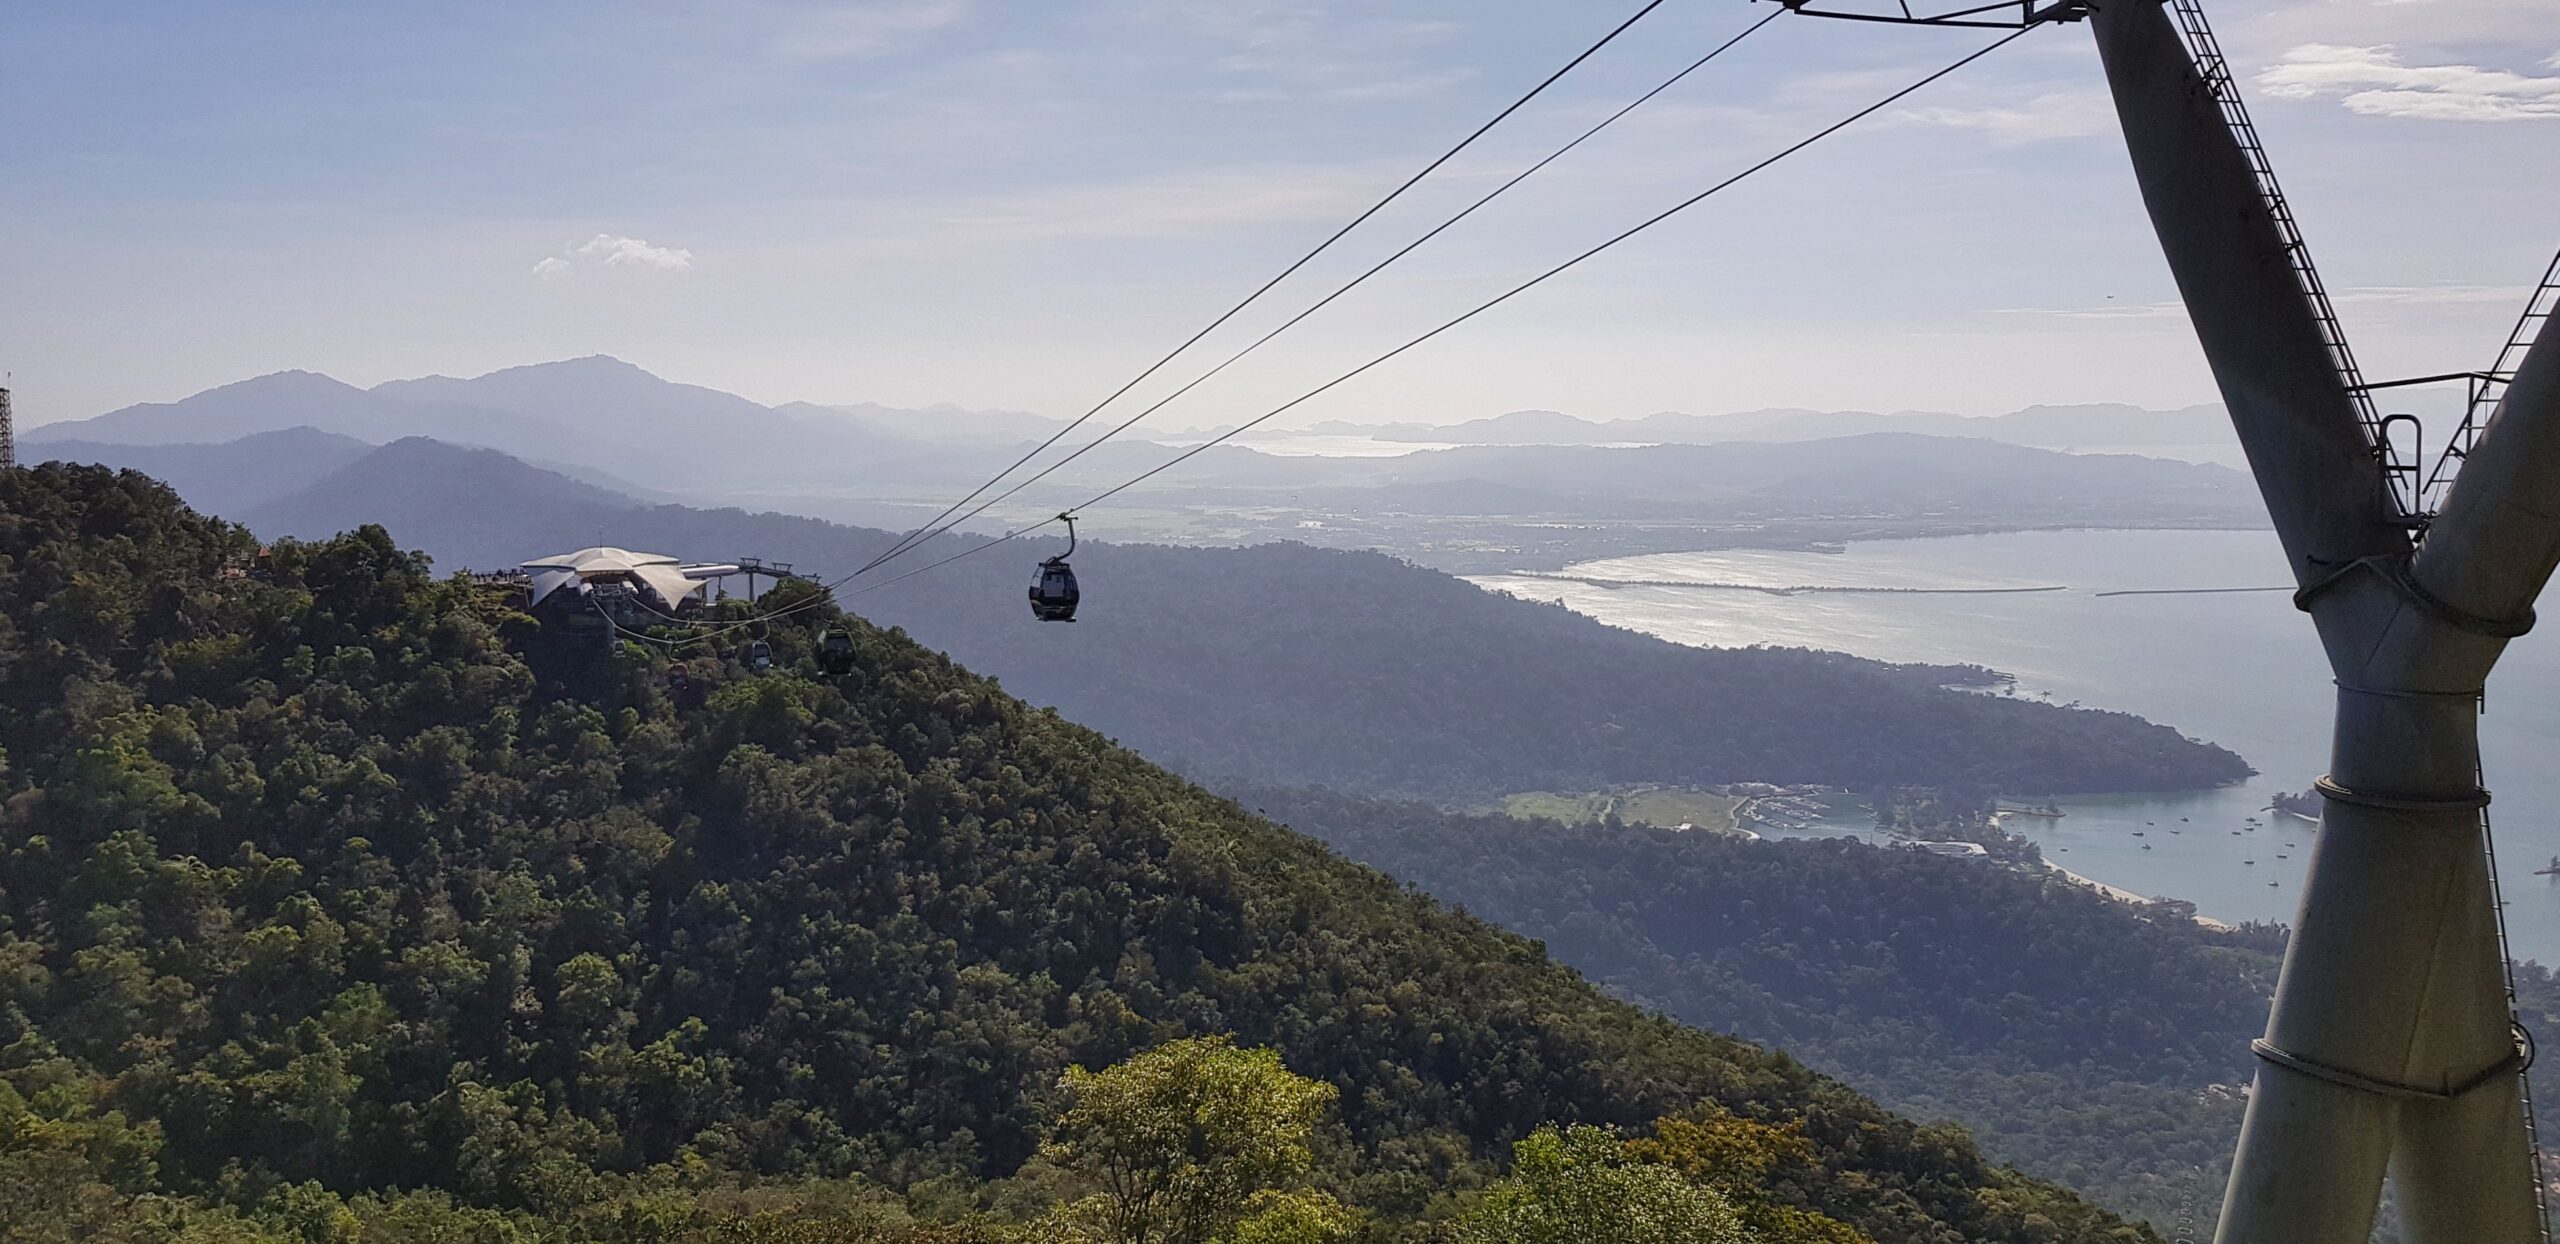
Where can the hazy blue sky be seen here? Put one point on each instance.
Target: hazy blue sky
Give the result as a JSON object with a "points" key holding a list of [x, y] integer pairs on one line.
{"points": [[1016, 204]]}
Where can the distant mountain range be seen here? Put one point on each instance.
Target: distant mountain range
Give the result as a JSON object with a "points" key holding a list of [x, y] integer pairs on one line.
{"points": [[2095, 426], [609, 422], [1878, 472], [227, 477], [1566, 487], [596, 417]]}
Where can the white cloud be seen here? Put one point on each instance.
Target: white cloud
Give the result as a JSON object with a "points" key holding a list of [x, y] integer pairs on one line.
{"points": [[2373, 81], [621, 252], [867, 29], [2518, 28], [2061, 114], [552, 269]]}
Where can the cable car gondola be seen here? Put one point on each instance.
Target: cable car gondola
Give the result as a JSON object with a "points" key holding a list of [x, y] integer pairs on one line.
{"points": [[759, 656], [1053, 583], [835, 652]]}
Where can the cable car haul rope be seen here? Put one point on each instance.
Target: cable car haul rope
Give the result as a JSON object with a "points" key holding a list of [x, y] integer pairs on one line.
{"points": [[1479, 309], [2311, 1159], [1055, 592]]}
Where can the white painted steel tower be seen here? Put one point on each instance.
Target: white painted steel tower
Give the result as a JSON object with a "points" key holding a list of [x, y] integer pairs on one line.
{"points": [[2392, 1046]]}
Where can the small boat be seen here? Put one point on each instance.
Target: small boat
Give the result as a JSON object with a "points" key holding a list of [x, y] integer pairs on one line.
{"points": [[2272, 884], [2284, 857], [2146, 846], [2182, 820], [2551, 870], [2137, 833], [2248, 861]]}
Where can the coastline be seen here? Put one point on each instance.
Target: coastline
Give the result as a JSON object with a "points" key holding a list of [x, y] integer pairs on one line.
{"points": [[2122, 895]]}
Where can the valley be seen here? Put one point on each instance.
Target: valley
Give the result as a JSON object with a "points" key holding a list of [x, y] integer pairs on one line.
{"points": [[1389, 656], [1420, 622], [777, 932]]}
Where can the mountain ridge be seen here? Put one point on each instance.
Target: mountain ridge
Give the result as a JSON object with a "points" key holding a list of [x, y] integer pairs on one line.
{"points": [[2044, 426], [1213, 659], [749, 927]]}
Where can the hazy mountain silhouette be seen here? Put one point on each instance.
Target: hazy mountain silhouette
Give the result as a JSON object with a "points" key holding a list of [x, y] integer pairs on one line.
{"points": [[1880, 474], [607, 417], [477, 499], [2048, 427], [1285, 663], [230, 477], [947, 423], [610, 422], [290, 399]]}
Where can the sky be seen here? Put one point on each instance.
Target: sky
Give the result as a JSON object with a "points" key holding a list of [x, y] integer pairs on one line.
{"points": [[1017, 204]]}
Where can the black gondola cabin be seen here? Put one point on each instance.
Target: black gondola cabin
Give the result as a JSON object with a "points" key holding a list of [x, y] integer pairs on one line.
{"points": [[1053, 583], [1053, 591], [835, 652]]}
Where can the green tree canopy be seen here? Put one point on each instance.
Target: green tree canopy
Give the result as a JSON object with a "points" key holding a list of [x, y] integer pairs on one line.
{"points": [[1189, 1139], [1580, 1186], [327, 884]]}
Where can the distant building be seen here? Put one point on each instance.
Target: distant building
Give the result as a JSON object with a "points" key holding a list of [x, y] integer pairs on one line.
{"points": [[619, 584], [1960, 850]]}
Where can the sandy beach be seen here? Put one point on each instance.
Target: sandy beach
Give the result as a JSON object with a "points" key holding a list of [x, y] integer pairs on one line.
{"points": [[2122, 895]]}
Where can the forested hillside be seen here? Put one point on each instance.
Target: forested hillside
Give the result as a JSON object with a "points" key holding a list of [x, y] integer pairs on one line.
{"points": [[2076, 1037], [1362, 672], [331, 882], [1290, 664]]}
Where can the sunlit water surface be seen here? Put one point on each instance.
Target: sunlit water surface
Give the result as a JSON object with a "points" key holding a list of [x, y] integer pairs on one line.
{"points": [[2239, 669]]}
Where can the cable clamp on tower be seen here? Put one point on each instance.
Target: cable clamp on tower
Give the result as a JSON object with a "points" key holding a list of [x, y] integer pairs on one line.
{"points": [[2387, 693], [2514, 1063], [2472, 801], [2394, 569]]}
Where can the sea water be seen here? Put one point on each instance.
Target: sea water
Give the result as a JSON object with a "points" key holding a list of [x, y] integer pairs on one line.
{"points": [[2238, 668]]}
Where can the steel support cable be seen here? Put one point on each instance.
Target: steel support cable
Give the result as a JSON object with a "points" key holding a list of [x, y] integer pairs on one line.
{"points": [[1523, 287], [938, 526], [1516, 105], [2515, 1017], [1481, 308], [1354, 283]]}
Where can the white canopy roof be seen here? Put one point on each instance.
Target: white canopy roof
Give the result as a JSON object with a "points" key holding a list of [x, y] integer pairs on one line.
{"points": [[662, 575]]}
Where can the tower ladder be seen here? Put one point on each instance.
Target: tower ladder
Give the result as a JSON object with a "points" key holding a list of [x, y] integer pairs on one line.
{"points": [[2400, 479], [2490, 387]]}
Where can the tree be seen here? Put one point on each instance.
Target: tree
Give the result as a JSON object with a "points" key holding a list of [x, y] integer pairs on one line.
{"points": [[1580, 1186], [345, 888], [1740, 1159], [1188, 1140], [1303, 1216]]}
